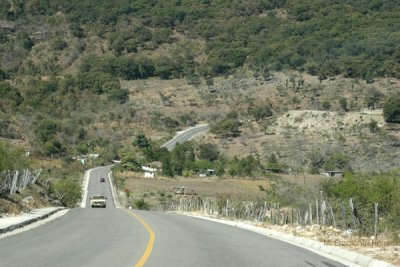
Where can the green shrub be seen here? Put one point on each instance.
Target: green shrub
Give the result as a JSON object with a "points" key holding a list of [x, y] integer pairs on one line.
{"points": [[337, 161], [167, 68], [141, 141], [343, 103], [391, 109], [68, 191], [373, 126], [120, 95], [10, 93], [130, 162], [247, 166], [317, 160], [59, 44], [366, 190], [226, 127], [274, 165], [53, 147], [46, 130], [326, 105], [261, 111], [77, 30], [12, 158], [373, 98], [208, 152], [3, 75], [141, 204]]}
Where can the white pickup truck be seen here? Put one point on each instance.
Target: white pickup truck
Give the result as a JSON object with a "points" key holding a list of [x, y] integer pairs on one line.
{"points": [[98, 201]]}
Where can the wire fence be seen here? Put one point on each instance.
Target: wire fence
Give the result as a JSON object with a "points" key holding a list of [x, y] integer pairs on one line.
{"points": [[338, 214], [12, 182]]}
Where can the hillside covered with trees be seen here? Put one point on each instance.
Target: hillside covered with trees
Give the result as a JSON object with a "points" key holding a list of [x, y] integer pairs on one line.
{"points": [[64, 55], [206, 38]]}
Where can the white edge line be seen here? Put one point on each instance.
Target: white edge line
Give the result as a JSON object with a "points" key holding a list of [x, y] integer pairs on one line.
{"points": [[113, 191]]}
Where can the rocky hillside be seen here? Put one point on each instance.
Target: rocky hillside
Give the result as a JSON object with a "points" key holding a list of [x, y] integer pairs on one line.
{"points": [[300, 123]]}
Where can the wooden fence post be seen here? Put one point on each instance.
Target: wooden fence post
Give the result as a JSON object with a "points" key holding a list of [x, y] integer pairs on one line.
{"points": [[291, 215], [271, 215], [226, 209], [317, 209], [333, 215], [305, 217], [353, 215], [279, 215], [13, 187], [343, 207], [376, 220]]}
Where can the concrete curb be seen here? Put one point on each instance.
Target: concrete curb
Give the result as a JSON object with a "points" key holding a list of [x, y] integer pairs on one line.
{"points": [[29, 221], [113, 191], [85, 185], [349, 258]]}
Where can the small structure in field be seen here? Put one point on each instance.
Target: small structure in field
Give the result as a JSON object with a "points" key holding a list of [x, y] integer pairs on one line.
{"points": [[184, 191], [149, 175], [149, 172], [338, 174], [208, 172]]}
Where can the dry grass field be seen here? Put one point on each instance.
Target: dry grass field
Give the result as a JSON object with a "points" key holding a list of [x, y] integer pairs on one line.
{"points": [[151, 189], [206, 187]]}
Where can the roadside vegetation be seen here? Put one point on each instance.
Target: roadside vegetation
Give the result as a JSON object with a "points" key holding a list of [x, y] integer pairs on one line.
{"points": [[12, 158], [295, 191], [188, 159], [364, 204], [391, 109], [26, 183]]}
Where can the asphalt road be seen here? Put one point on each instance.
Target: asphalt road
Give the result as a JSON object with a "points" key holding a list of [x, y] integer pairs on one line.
{"points": [[83, 237], [115, 237], [187, 241], [185, 135]]}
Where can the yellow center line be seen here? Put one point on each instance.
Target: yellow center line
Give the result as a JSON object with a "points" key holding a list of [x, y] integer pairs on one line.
{"points": [[150, 244]]}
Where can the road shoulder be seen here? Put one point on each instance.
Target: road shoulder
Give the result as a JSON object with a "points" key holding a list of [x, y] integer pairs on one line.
{"points": [[26, 221], [349, 258]]}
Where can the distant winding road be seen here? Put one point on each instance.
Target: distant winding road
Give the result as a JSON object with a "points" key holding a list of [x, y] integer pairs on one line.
{"points": [[186, 135]]}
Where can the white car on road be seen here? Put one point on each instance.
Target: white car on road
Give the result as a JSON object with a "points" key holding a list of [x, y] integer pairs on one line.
{"points": [[98, 201]]}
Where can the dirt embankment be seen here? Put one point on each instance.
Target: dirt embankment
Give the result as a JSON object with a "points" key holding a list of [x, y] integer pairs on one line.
{"points": [[35, 196]]}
